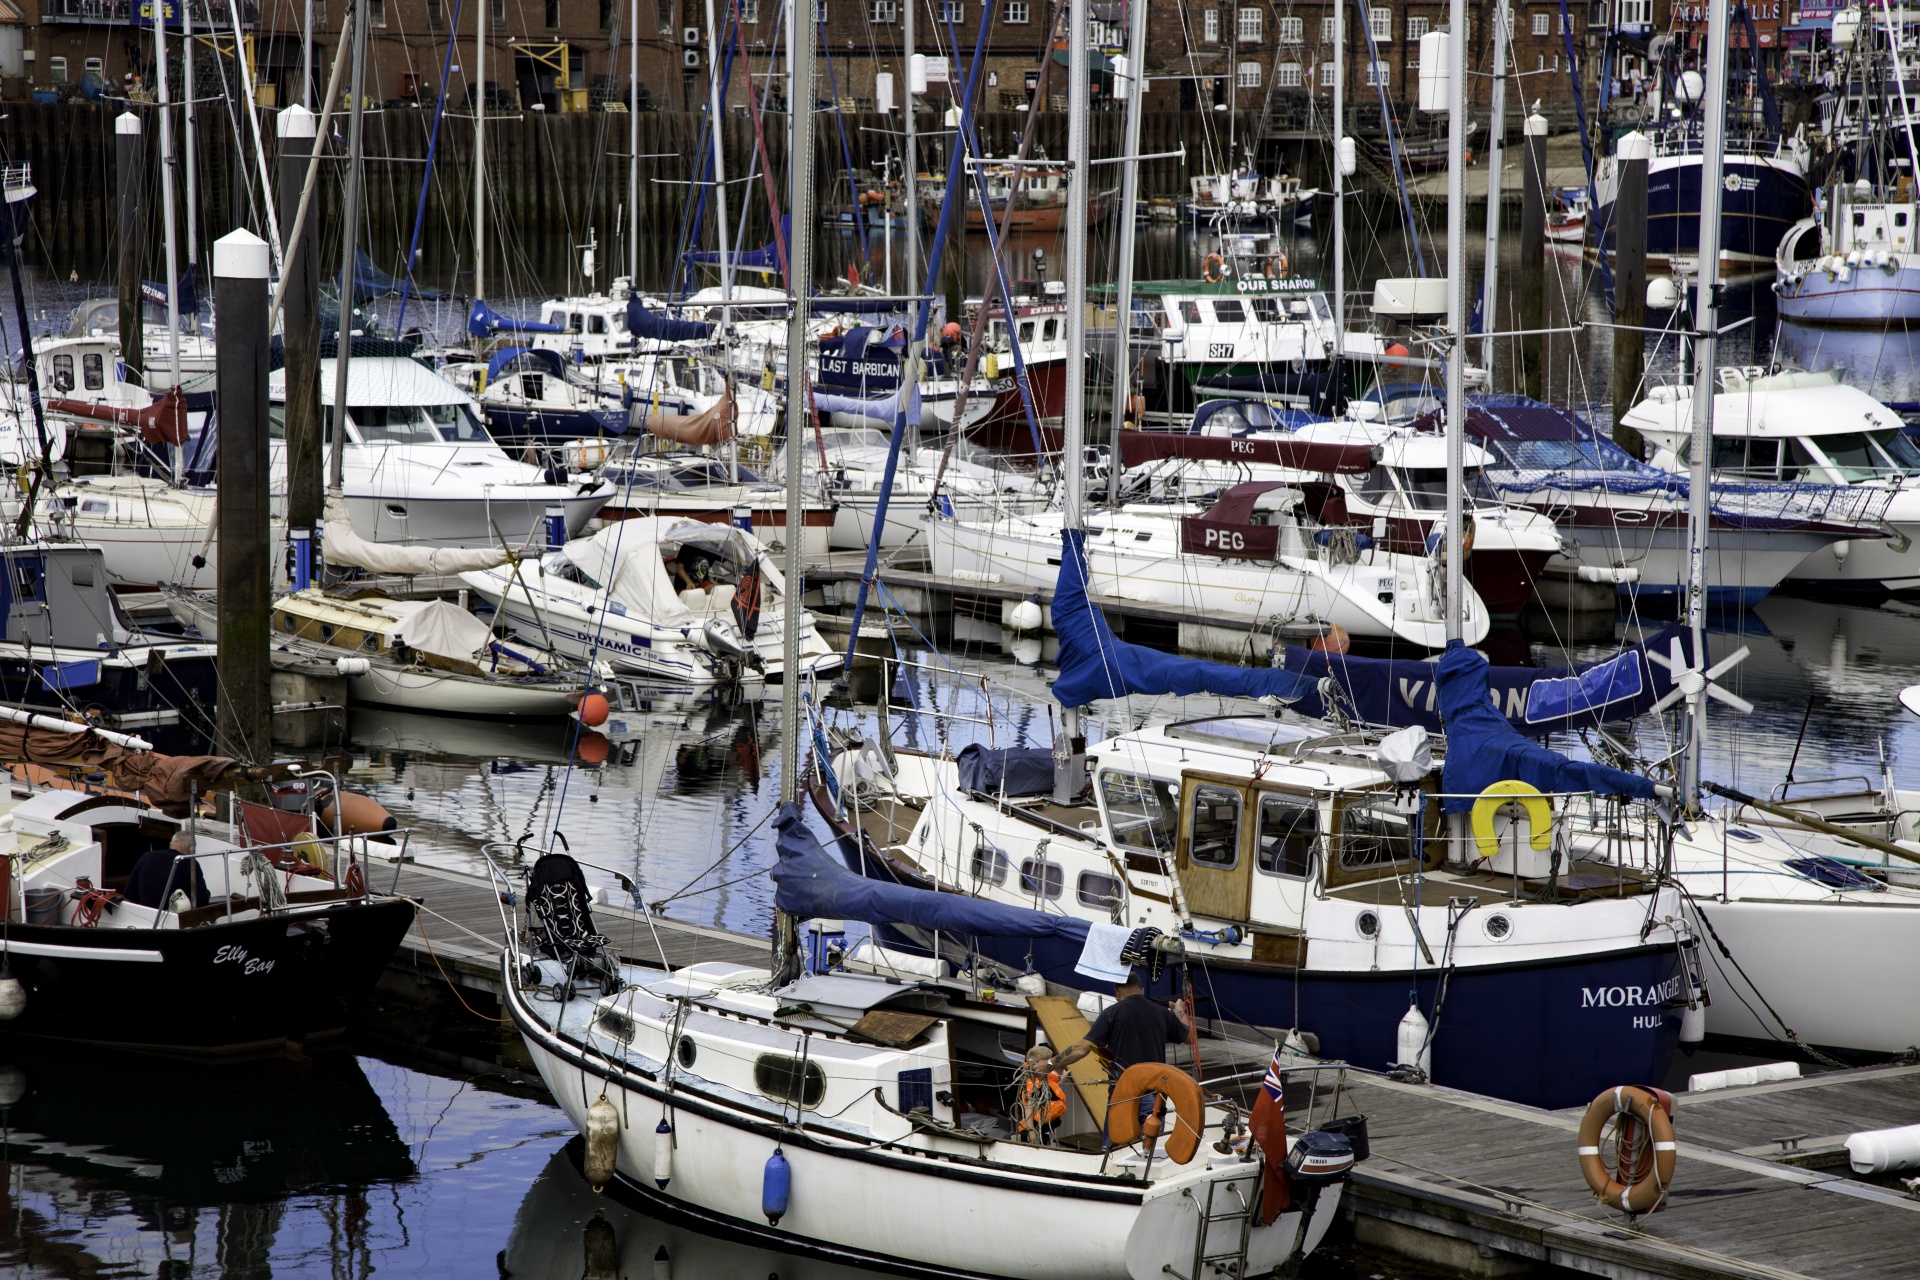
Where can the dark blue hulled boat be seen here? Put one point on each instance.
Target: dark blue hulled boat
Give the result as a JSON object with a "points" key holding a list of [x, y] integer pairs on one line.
{"points": [[1308, 873]]}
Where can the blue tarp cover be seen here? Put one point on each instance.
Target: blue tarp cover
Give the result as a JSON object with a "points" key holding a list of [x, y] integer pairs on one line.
{"points": [[1396, 692], [1094, 663], [507, 355], [810, 884], [186, 295], [1482, 748], [642, 323], [765, 258], [1020, 771], [483, 322]]}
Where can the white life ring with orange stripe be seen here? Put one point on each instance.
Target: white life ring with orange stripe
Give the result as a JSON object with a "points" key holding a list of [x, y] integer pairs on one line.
{"points": [[1277, 265], [1645, 1151], [1213, 270]]}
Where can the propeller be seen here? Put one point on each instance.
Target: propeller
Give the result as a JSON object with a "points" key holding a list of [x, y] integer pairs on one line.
{"points": [[1689, 680]]}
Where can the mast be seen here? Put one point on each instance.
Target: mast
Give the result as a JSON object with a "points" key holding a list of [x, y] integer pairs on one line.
{"points": [[633, 152], [1496, 154], [1706, 321], [801, 37], [1456, 310], [166, 216], [306, 55], [1339, 182], [718, 120], [913, 148], [1074, 422], [192, 184], [1129, 193], [349, 227], [479, 144]]}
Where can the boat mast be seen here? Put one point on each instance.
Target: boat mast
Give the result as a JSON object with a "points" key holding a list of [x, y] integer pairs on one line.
{"points": [[350, 224], [716, 121], [1074, 420], [1705, 341], [192, 184], [1456, 313], [1129, 193], [1496, 153], [633, 153], [479, 144], [801, 36], [159, 11], [1339, 188]]}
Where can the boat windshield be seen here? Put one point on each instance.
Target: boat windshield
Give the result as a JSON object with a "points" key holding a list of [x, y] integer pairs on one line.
{"points": [[411, 423], [1426, 487], [555, 564], [1870, 455]]}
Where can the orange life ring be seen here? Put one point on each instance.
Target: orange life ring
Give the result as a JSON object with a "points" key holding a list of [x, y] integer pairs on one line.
{"points": [[1126, 1126], [1213, 270], [1277, 265], [1644, 1141]]}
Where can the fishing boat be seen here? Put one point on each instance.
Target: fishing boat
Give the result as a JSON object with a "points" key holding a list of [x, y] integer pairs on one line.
{"points": [[1854, 262], [662, 597], [1038, 195]]}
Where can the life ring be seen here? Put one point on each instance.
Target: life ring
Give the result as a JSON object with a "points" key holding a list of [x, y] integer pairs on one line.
{"points": [[1213, 270], [1126, 1126], [1277, 265], [1648, 1165], [1497, 797]]}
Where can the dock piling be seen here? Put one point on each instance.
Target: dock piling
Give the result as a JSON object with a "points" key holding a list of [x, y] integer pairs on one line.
{"points": [[1633, 150], [130, 173], [241, 265]]}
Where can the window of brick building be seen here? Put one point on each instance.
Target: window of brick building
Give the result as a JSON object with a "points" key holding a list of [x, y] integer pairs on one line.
{"points": [[1287, 75], [1542, 24], [1380, 25], [1292, 30], [1016, 13], [1248, 75], [1247, 24]]}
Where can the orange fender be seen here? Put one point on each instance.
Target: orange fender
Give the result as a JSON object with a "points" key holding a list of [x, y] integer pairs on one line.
{"points": [[360, 815]]}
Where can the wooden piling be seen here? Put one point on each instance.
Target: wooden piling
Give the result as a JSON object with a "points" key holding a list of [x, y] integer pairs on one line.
{"points": [[1632, 151], [241, 264]]}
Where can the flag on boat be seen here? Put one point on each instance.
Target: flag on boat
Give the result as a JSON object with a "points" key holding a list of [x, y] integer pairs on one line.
{"points": [[1268, 1126]]}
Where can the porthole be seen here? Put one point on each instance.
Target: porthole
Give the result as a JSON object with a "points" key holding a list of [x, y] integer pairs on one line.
{"points": [[687, 1052], [1368, 924], [1498, 927]]}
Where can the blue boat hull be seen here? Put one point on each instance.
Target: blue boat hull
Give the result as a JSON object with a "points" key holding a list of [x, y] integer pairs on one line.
{"points": [[511, 425], [1760, 198], [1870, 296]]}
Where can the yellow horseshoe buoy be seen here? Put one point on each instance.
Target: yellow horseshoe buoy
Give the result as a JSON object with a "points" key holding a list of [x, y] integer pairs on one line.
{"points": [[1497, 796]]}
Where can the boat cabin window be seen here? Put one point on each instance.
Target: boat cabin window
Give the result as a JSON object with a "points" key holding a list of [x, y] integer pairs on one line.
{"points": [[1101, 892], [1288, 832], [1213, 828], [93, 371], [989, 865], [1266, 310], [1377, 485], [1372, 834], [1229, 311], [1190, 312], [1026, 332], [596, 324], [1322, 308], [533, 385], [555, 564], [63, 373], [1037, 875], [455, 423], [392, 424], [1050, 330], [789, 1079], [28, 580], [1864, 455], [1426, 487], [1747, 457], [1138, 815]]}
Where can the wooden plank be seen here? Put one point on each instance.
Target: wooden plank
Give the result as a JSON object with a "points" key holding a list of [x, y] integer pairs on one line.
{"points": [[1064, 1024]]}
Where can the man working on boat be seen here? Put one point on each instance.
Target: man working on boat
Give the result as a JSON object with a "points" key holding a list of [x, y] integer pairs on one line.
{"points": [[1131, 1030]]}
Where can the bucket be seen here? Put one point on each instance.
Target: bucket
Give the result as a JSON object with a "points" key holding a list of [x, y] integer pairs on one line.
{"points": [[1354, 1130], [43, 905]]}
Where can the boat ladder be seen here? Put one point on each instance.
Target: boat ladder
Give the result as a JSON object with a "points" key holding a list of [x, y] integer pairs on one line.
{"points": [[1225, 1204]]}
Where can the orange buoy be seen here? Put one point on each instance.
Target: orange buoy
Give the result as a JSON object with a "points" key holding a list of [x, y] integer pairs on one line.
{"points": [[1398, 351], [1644, 1150], [359, 815], [1336, 640], [593, 748], [951, 329], [594, 710]]}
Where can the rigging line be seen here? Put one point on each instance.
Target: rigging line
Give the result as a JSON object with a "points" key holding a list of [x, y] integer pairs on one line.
{"points": [[426, 178]]}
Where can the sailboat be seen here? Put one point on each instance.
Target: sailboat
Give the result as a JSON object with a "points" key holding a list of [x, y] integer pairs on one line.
{"points": [[783, 1106]]}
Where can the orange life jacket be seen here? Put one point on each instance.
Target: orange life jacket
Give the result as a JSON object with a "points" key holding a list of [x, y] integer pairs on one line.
{"points": [[1039, 1109]]}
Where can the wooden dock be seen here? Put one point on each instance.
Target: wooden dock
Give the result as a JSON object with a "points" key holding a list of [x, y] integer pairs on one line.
{"points": [[1459, 1182]]}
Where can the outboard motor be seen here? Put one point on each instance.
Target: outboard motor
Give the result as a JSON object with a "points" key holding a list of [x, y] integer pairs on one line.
{"points": [[722, 639], [1318, 1159]]}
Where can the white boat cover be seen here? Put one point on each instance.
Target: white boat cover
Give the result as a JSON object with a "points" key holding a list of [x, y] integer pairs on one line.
{"points": [[443, 628], [343, 547], [628, 559]]}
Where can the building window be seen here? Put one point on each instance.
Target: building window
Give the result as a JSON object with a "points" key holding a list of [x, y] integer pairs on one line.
{"points": [[882, 11], [1247, 24], [1016, 13], [436, 15], [1326, 75], [1248, 75], [1373, 74], [497, 12], [1287, 75], [1542, 24], [1636, 13], [376, 13], [56, 70], [1292, 30], [1329, 30], [1210, 26], [749, 10], [553, 15], [1562, 23], [1416, 27], [953, 11], [94, 67], [1380, 25]]}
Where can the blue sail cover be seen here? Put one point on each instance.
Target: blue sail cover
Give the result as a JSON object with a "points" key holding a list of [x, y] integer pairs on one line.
{"points": [[1094, 663], [811, 884], [507, 355], [642, 323], [765, 258], [186, 295], [483, 322], [1482, 748], [371, 282], [1392, 693]]}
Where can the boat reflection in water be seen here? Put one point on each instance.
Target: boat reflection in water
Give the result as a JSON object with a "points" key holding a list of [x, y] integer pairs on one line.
{"points": [[564, 1231], [123, 1164]]}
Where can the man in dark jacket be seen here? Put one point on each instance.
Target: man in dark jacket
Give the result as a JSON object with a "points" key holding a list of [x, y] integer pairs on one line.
{"points": [[1131, 1030]]}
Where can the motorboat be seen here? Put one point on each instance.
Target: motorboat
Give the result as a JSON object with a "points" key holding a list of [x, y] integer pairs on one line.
{"points": [[1806, 428], [695, 484], [773, 1111], [1254, 554], [855, 475], [658, 596], [1624, 522]]}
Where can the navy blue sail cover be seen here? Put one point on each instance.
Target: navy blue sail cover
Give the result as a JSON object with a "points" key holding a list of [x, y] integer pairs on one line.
{"points": [[1014, 771], [765, 258], [811, 884], [645, 323], [1482, 748], [1392, 693], [483, 322], [1094, 663]]}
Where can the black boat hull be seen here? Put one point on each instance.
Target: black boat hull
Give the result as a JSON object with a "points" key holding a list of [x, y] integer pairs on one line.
{"points": [[218, 989]]}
